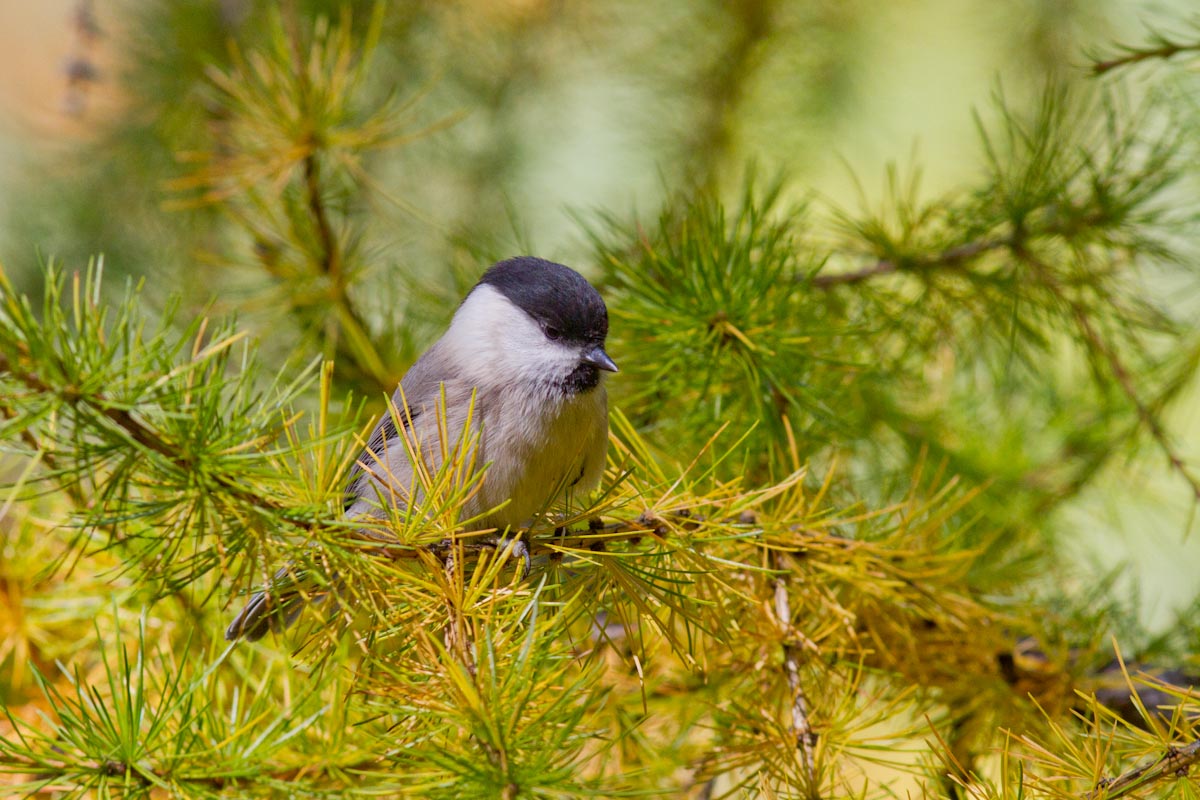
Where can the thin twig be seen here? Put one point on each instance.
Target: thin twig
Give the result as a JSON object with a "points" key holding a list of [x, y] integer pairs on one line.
{"points": [[136, 430], [1148, 417], [591, 540], [951, 257], [1116, 367], [1165, 51], [801, 727], [113, 768], [828, 281], [356, 347], [74, 489], [369, 363], [330, 262], [455, 634], [122, 418], [1174, 763], [1016, 244], [957, 256]]}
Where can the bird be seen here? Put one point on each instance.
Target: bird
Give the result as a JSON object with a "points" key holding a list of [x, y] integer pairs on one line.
{"points": [[525, 356]]}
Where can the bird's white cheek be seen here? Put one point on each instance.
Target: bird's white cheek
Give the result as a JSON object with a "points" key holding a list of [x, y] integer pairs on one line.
{"points": [[545, 360], [494, 342]]}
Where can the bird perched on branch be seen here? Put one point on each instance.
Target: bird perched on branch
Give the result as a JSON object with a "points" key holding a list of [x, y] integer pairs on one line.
{"points": [[524, 354]]}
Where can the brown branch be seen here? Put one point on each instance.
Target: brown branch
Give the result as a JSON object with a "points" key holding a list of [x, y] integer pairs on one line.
{"points": [[1164, 52], [1148, 417], [119, 416], [1116, 366], [595, 537], [26, 436], [952, 257], [114, 768], [456, 551], [330, 262], [455, 635], [828, 281], [139, 433], [368, 363], [1174, 763], [800, 726], [358, 351], [958, 255], [136, 430]]}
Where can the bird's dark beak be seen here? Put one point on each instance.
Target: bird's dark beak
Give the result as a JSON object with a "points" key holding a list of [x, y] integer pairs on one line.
{"points": [[599, 359]]}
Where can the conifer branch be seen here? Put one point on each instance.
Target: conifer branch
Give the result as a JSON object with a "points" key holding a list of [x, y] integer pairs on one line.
{"points": [[1125, 381], [1115, 364], [358, 347], [292, 123], [1165, 51], [73, 488], [147, 776], [801, 727], [27, 436], [330, 261], [961, 255], [953, 257], [1174, 763], [136, 430]]}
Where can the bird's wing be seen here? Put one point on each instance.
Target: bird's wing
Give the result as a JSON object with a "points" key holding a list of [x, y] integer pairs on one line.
{"points": [[385, 432], [417, 392]]}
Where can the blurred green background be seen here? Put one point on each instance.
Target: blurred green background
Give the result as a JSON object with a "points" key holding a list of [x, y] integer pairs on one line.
{"points": [[528, 118]]}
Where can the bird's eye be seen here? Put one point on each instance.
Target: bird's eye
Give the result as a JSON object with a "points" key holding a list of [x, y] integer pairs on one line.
{"points": [[553, 334]]}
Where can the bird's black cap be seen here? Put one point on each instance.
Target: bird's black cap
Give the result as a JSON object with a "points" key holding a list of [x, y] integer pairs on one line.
{"points": [[558, 297]]}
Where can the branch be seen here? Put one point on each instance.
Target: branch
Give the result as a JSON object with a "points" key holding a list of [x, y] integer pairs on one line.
{"points": [[331, 258], [357, 345], [953, 257], [145, 775], [557, 544], [801, 727], [956, 256], [1151, 421], [595, 538], [138, 431], [119, 416], [1163, 52], [1116, 366], [74, 492], [1174, 763]]}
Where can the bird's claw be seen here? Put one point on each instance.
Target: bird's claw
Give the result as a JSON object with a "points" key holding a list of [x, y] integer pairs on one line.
{"points": [[519, 550]]}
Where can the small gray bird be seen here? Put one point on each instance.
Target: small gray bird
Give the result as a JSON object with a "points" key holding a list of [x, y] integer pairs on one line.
{"points": [[527, 346]]}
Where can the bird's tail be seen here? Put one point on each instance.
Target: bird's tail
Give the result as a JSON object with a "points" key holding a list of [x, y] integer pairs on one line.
{"points": [[277, 606]]}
